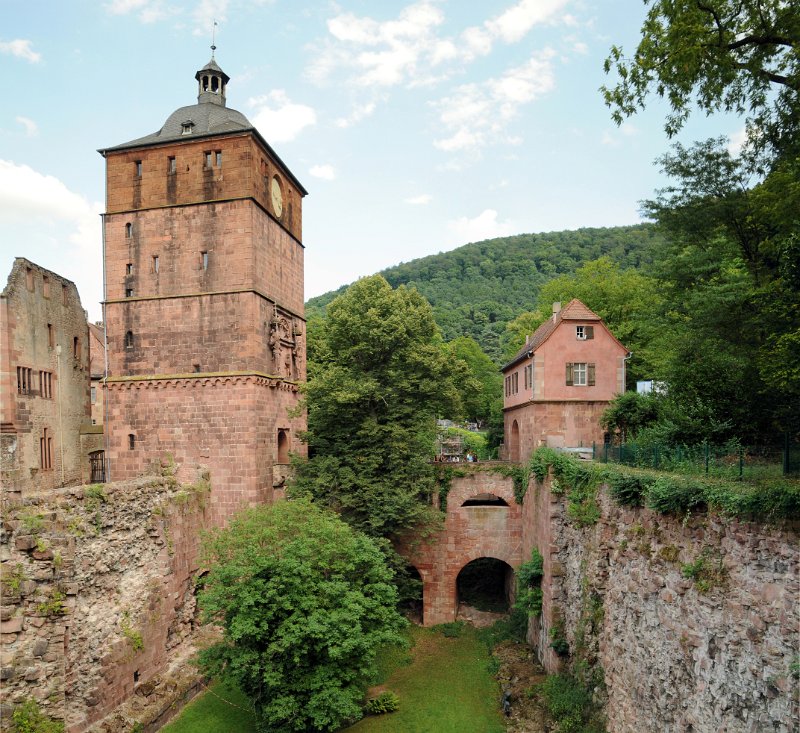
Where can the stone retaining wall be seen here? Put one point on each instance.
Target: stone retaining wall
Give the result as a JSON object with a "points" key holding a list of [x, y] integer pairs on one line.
{"points": [[97, 593], [704, 654]]}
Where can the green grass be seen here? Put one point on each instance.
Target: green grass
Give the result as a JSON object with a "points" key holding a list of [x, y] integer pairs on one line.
{"points": [[209, 714], [444, 686], [446, 689]]}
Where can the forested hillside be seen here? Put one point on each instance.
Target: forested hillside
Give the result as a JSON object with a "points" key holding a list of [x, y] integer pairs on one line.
{"points": [[478, 288]]}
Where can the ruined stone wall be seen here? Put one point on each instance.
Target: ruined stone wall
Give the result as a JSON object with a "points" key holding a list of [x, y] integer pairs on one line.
{"points": [[97, 592], [680, 654], [45, 333]]}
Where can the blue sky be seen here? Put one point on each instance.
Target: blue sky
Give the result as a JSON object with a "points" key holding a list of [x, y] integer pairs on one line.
{"points": [[415, 126]]}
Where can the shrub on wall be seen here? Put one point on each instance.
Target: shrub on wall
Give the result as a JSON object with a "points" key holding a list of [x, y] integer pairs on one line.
{"points": [[529, 581]]}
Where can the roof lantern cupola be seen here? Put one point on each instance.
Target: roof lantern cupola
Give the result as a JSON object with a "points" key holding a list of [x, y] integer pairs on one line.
{"points": [[211, 82]]}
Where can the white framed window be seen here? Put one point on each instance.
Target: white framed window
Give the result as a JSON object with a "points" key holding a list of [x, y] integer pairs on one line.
{"points": [[580, 374], [584, 333]]}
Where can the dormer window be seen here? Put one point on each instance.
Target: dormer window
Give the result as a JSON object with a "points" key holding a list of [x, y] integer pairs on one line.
{"points": [[187, 127], [583, 333]]}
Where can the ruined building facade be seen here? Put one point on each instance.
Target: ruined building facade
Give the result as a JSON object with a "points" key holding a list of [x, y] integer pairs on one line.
{"points": [[204, 306], [44, 375]]}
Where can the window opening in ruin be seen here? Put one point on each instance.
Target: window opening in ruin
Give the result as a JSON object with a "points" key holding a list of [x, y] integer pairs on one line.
{"points": [[283, 446], [94, 395], [46, 450], [485, 500], [29, 278], [128, 292], [138, 164], [131, 441], [46, 286], [196, 368], [129, 340], [128, 230], [136, 676], [209, 159], [51, 339], [172, 164], [155, 264], [485, 584], [129, 268], [219, 158], [46, 384], [205, 260], [410, 587], [24, 375], [64, 294], [76, 347]]}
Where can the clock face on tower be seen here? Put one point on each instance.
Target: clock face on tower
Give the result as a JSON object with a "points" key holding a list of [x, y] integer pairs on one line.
{"points": [[277, 197]]}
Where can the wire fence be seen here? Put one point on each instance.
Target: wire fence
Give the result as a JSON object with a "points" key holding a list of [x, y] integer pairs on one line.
{"points": [[726, 461]]}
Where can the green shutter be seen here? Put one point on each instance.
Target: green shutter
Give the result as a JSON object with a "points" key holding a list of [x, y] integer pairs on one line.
{"points": [[569, 374], [590, 375], [589, 331]]}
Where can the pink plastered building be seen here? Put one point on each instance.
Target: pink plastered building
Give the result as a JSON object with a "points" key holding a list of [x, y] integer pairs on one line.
{"points": [[558, 385]]}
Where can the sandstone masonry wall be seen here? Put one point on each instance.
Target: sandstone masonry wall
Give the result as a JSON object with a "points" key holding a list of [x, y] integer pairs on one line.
{"points": [[96, 593], [678, 655]]}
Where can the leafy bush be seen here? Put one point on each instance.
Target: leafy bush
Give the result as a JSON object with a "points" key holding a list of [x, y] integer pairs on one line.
{"points": [[675, 495], [569, 704], [529, 580], [28, 718], [628, 489], [558, 641], [386, 702]]}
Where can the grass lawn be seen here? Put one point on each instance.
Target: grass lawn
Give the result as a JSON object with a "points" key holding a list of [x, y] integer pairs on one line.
{"points": [[446, 688]]}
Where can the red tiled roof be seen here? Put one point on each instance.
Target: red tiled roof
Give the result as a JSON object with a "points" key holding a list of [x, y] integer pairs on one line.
{"points": [[573, 311]]}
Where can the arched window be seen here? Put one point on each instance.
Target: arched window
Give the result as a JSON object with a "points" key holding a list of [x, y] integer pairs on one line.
{"points": [[283, 446], [128, 230], [129, 340]]}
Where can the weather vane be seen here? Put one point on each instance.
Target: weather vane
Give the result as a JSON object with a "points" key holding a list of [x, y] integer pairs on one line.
{"points": [[213, 38]]}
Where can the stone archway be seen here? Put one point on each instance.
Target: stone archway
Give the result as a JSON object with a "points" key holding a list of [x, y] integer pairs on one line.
{"points": [[513, 442], [485, 584]]}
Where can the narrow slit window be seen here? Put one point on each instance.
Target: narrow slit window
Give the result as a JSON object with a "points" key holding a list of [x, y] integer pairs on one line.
{"points": [[138, 168], [29, 278], [46, 286], [209, 159], [129, 340], [51, 336], [46, 450], [155, 264], [64, 294], [129, 268], [128, 292], [131, 441], [205, 260], [172, 164], [218, 155], [128, 230], [76, 347]]}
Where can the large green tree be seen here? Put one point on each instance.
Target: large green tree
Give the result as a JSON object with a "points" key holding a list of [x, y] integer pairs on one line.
{"points": [[304, 602], [732, 55], [481, 393], [380, 376]]}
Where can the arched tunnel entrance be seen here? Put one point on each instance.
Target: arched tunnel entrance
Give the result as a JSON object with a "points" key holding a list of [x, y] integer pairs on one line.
{"points": [[409, 587], [485, 584]]}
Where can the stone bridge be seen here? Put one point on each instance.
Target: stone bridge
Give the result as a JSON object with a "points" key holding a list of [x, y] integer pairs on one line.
{"points": [[482, 520]]}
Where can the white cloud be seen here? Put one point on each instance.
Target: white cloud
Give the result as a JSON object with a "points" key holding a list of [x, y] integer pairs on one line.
{"points": [[420, 200], [410, 48], [512, 25], [580, 47], [31, 128], [29, 196], [478, 114], [325, 172], [736, 141], [21, 48], [359, 112], [483, 226], [278, 118]]}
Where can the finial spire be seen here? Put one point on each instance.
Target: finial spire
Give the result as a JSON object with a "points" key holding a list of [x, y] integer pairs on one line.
{"points": [[213, 38]]}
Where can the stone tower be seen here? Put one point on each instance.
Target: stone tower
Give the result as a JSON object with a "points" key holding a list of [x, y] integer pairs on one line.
{"points": [[203, 262]]}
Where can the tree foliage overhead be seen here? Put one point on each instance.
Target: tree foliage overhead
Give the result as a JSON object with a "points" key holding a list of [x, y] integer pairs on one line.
{"points": [[304, 602], [380, 376], [477, 289], [733, 55]]}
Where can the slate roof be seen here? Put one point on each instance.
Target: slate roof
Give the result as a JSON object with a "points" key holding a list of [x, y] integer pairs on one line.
{"points": [[573, 311]]}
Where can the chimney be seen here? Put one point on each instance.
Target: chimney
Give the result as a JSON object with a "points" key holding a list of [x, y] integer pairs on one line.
{"points": [[556, 310]]}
